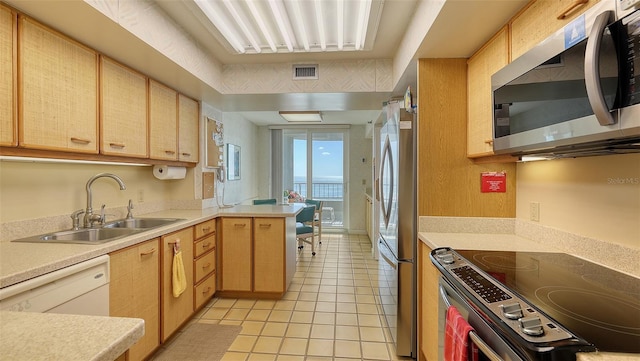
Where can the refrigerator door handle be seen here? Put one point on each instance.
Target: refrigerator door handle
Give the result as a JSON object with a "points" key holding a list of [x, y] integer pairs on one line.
{"points": [[385, 204], [393, 265]]}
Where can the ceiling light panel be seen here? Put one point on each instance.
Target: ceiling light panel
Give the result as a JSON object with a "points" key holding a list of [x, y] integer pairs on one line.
{"points": [[281, 26]]}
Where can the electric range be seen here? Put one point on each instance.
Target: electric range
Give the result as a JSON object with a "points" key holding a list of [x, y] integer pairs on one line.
{"points": [[598, 304]]}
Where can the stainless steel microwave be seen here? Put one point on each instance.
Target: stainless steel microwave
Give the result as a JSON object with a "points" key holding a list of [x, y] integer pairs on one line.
{"points": [[577, 93]]}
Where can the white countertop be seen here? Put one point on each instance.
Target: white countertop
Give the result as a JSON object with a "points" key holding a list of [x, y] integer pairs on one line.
{"points": [[21, 261], [47, 336], [483, 242]]}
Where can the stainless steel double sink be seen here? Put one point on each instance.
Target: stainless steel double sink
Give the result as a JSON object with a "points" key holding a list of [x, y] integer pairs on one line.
{"points": [[108, 232]]}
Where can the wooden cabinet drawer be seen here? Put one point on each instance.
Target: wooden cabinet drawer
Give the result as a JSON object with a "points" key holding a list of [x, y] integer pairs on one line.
{"points": [[204, 245], [204, 291], [205, 228], [204, 266]]}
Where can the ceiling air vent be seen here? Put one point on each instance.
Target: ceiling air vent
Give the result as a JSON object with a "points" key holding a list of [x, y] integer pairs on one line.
{"points": [[305, 72]]}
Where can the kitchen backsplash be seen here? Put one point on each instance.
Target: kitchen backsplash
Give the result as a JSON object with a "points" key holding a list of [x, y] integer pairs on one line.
{"points": [[617, 256]]}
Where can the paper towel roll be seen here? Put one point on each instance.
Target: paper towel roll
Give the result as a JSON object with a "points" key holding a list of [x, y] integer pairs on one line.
{"points": [[165, 172]]}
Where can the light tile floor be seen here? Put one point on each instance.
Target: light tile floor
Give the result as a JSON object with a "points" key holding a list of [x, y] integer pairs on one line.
{"points": [[330, 312]]}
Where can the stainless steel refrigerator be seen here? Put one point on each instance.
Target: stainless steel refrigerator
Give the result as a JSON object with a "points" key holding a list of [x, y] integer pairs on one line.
{"points": [[397, 240]]}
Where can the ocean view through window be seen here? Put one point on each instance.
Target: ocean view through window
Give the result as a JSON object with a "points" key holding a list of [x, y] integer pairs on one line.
{"points": [[314, 168]]}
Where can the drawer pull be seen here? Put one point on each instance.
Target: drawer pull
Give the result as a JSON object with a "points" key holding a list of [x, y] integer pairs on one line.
{"points": [[116, 145], [207, 290], [265, 225], [151, 251], [490, 141], [170, 152], [206, 229], [570, 8], [240, 225], [80, 140], [205, 266], [206, 245], [186, 154]]}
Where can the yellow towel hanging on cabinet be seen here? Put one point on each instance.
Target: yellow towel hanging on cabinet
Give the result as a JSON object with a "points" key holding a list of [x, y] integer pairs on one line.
{"points": [[178, 277]]}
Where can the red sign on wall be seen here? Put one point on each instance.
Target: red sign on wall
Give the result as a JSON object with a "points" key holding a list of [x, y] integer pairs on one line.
{"points": [[493, 182]]}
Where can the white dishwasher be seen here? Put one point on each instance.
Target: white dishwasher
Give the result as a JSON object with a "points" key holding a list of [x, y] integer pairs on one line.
{"points": [[80, 289]]}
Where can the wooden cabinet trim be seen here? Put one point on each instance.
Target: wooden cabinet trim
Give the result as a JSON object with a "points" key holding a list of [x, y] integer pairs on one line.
{"points": [[9, 108]]}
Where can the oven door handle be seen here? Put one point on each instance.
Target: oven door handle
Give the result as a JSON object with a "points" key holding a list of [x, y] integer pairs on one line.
{"points": [[473, 336]]}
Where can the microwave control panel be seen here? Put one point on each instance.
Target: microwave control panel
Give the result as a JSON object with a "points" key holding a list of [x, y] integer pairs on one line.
{"points": [[628, 4]]}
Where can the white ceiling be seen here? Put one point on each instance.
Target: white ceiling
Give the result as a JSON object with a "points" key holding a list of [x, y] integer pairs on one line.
{"points": [[458, 30]]}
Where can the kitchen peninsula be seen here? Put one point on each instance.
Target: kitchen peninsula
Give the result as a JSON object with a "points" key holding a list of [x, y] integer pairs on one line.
{"points": [[269, 233]]}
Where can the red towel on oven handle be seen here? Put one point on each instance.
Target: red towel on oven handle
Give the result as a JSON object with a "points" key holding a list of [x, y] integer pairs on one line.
{"points": [[457, 345]]}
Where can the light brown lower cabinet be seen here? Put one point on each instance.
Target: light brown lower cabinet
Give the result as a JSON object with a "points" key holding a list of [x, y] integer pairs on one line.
{"points": [[176, 310], [256, 256], [235, 254], [429, 298], [268, 255], [204, 263], [134, 291]]}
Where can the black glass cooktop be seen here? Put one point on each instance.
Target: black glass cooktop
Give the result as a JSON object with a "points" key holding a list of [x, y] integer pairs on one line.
{"points": [[596, 303]]}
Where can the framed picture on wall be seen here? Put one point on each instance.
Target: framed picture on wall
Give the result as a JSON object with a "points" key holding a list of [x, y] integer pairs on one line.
{"points": [[233, 161]]}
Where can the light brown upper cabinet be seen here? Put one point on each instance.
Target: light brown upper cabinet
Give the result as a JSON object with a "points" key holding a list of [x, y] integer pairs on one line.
{"points": [[8, 40], [539, 20], [490, 58], [57, 91], [123, 125], [163, 133], [188, 135]]}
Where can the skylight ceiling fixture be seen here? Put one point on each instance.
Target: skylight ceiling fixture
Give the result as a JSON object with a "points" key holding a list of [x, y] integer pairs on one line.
{"points": [[301, 116], [290, 26]]}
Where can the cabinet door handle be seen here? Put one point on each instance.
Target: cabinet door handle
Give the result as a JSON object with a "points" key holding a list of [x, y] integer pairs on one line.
{"points": [[80, 140], [146, 253], [490, 141], [570, 8], [186, 154], [116, 145], [170, 152]]}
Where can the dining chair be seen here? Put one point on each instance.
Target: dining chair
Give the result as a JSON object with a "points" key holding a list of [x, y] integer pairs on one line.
{"points": [[264, 201], [305, 229], [317, 218]]}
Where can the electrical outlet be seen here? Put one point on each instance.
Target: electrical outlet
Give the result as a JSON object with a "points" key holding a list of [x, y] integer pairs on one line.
{"points": [[534, 211], [140, 195]]}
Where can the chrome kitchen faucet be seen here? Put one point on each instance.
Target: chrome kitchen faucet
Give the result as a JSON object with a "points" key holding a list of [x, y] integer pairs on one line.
{"points": [[89, 217]]}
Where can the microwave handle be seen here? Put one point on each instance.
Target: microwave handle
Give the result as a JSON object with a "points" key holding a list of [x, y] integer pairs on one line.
{"points": [[592, 70]]}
